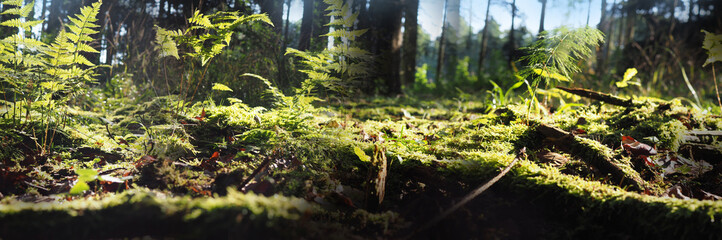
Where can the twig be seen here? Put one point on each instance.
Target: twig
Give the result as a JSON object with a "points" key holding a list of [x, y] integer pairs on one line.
{"points": [[716, 90], [470, 196], [607, 98], [255, 173]]}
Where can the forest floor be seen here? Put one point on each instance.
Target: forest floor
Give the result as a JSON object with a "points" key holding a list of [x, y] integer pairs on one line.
{"points": [[366, 169]]}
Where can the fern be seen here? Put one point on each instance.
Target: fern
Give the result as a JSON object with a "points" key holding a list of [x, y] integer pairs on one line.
{"points": [[337, 67], [66, 52], [18, 52], [215, 33], [555, 56]]}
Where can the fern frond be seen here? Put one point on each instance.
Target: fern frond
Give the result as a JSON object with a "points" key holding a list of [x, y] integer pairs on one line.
{"points": [[165, 44], [559, 50], [65, 52], [16, 3]]}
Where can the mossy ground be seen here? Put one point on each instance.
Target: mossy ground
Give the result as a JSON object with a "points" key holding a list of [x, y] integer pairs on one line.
{"points": [[234, 171]]}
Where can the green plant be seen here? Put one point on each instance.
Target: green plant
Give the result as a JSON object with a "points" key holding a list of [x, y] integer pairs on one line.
{"points": [[713, 44], [206, 37], [42, 78], [335, 68], [500, 97], [86, 175], [554, 56]]}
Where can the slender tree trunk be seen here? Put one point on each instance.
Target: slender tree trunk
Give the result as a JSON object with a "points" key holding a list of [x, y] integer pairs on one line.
{"points": [[469, 41], [543, 14], [620, 28], [410, 37], [387, 16], [589, 11], [690, 13], [631, 24], [512, 41], [304, 41], [453, 33], [484, 41], [440, 56], [672, 18], [274, 9], [319, 43], [282, 76], [42, 15], [54, 16], [602, 52]]}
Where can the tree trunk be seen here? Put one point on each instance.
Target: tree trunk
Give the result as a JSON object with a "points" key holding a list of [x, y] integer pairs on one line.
{"points": [[484, 41], [453, 32], [631, 24], [602, 52], [410, 37], [304, 41], [274, 9], [512, 41], [589, 11], [42, 15], [440, 56], [54, 16], [282, 76], [543, 14], [388, 15], [690, 14], [319, 43]]}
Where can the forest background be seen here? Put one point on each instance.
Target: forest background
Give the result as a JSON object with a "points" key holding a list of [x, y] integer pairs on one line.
{"points": [[661, 39]]}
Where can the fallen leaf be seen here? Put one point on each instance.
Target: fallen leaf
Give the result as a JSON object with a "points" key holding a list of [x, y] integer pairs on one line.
{"points": [[636, 148]]}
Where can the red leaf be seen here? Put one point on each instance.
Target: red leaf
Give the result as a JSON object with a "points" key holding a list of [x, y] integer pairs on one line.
{"points": [[215, 155], [627, 140], [636, 148], [203, 115], [143, 161]]}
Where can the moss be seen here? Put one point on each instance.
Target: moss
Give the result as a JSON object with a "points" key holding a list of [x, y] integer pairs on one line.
{"points": [[600, 204], [148, 213]]}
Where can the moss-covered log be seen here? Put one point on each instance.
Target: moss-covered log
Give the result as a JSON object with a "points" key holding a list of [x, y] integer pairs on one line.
{"points": [[594, 154]]}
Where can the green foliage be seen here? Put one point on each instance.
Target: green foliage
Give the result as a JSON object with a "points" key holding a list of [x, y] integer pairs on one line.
{"points": [[713, 44], [18, 52], [628, 75], [337, 67], [39, 79], [207, 36], [221, 87], [555, 55], [66, 52], [361, 154]]}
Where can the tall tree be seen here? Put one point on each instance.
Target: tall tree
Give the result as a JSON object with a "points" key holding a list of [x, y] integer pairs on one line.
{"points": [[604, 26], [387, 16], [411, 32], [319, 43], [274, 9], [484, 41], [543, 13], [452, 38], [512, 41], [440, 56], [304, 41]]}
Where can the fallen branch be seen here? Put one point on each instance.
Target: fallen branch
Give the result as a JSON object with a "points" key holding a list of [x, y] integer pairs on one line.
{"points": [[470, 196], [255, 173], [607, 98]]}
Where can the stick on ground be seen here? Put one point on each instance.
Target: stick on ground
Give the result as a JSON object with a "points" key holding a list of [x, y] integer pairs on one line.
{"points": [[470, 196]]}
